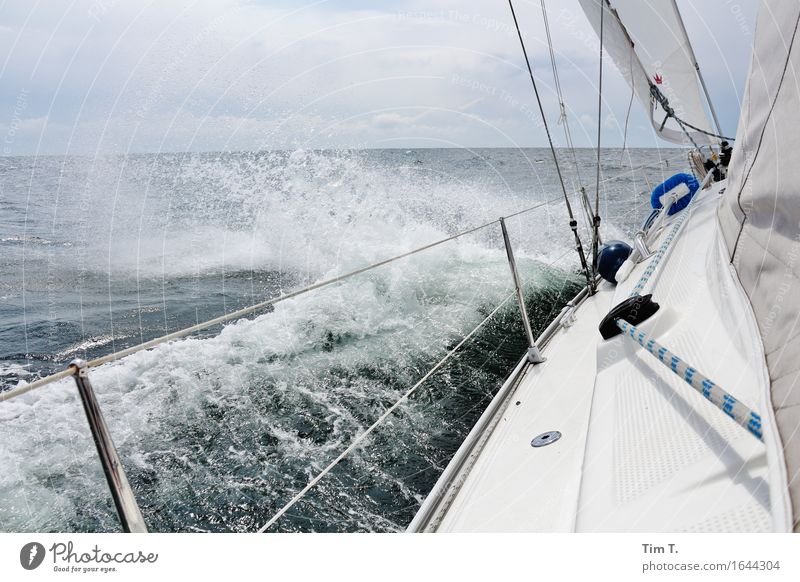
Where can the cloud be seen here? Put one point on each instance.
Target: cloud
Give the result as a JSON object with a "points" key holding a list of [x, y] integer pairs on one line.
{"points": [[104, 75]]}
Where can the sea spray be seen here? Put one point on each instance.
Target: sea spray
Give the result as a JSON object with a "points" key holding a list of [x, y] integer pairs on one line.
{"points": [[219, 430]]}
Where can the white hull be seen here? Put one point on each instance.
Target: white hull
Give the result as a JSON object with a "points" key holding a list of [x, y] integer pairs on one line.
{"points": [[641, 450]]}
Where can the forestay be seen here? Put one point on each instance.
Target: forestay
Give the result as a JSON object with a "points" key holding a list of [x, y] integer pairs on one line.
{"points": [[760, 217], [648, 44]]}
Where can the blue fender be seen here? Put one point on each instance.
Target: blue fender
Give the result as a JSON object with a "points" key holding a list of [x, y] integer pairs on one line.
{"points": [[669, 184], [610, 259]]}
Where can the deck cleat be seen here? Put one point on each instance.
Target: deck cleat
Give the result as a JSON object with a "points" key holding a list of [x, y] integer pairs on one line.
{"points": [[634, 310]]}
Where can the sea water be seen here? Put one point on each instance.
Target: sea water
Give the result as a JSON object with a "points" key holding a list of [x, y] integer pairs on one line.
{"points": [[219, 430]]}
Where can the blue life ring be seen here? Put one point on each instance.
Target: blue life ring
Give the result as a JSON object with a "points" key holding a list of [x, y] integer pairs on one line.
{"points": [[669, 184]]}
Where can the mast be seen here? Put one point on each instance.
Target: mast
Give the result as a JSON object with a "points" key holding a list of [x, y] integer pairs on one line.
{"points": [[697, 67]]}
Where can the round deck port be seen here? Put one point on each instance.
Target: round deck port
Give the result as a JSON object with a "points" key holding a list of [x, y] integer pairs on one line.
{"points": [[546, 438]]}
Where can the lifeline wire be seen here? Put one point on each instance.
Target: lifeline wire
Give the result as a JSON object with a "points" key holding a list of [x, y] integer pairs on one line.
{"points": [[19, 390], [66, 373], [381, 418]]}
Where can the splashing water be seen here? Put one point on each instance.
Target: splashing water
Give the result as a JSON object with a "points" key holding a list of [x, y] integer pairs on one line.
{"points": [[218, 431]]}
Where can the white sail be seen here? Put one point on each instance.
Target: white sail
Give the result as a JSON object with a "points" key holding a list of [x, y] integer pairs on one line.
{"points": [[760, 217], [648, 44]]}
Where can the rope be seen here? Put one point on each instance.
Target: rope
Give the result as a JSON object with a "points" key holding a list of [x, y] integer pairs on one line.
{"points": [[380, 419], [710, 390], [19, 390], [703, 131], [660, 253], [573, 224], [740, 413]]}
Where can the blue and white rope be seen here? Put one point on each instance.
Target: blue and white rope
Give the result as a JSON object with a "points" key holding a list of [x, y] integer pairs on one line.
{"points": [[662, 250], [712, 392]]}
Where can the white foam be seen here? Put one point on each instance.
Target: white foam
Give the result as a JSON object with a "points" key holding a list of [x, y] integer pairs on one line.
{"points": [[307, 212], [312, 214]]}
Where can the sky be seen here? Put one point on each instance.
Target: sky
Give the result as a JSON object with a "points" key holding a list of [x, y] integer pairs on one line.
{"points": [[93, 77]]}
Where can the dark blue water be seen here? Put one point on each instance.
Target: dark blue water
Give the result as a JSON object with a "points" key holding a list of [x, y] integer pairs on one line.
{"points": [[218, 431]]}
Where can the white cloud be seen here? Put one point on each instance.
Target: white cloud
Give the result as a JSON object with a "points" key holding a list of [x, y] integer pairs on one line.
{"points": [[228, 74]]}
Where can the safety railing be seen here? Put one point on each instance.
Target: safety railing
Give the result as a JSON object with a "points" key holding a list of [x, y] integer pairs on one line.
{"points": [[124, 499]]}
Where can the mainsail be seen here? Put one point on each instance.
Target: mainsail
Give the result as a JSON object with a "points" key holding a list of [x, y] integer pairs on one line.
{"points": [[648, 44], [760, 218]]}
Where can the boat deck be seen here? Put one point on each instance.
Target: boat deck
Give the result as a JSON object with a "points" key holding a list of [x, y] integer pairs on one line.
{"points": [[640, 449]]}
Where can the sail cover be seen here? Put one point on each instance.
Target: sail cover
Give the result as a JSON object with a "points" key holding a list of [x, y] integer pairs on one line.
{"points": [[760, 216], [648, 44]]}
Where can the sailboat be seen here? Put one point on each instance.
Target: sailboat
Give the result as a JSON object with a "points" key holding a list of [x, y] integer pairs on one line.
{"points": [[664, 399], [663, 396]]}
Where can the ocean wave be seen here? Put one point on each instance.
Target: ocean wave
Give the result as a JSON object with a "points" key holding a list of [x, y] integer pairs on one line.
{"points": [[218, 432], [230, 425], [27, 239]]}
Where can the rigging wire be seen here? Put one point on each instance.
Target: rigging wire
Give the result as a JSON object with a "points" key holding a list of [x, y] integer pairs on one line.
{"points": [[564, 121], [563, 117], [703, 131], [596, 224], [573, 224]]}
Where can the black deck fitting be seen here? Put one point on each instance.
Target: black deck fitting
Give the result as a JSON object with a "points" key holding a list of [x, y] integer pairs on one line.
{"points": [[634, 310]]}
